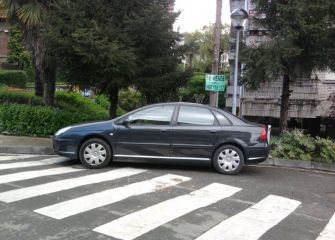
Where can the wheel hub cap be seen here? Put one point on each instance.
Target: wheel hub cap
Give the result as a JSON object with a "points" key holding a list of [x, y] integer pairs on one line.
{"points": [[229, 160], [95, 154]]}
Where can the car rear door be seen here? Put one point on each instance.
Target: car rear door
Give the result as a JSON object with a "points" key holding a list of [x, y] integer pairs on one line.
{"points": [[194, 134], [147, 136]]}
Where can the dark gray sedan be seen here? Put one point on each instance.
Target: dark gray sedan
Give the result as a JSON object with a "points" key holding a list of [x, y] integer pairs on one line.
{"points": [[168, 132]]}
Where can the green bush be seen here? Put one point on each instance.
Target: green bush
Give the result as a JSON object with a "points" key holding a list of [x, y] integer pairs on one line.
{"points": [[293, 145], [75, 102], [9, 95], [130, 99], [13, 78], [28, 120], [325, 150], [103, 101], [300, 146]]}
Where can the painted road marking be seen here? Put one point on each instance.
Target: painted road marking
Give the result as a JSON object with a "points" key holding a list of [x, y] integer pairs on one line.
{"points": [[328, 232], [253, 222], [4, 166], [37, 173], [16, 157], [92, 201], [134, 225], [38, 190]]}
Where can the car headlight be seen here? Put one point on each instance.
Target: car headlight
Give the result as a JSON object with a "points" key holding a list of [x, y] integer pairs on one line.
{"points": [[63, 130]]}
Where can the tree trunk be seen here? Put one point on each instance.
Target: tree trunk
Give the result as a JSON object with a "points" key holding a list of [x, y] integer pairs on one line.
{"points": [[114, 100], [35, 45], [284, 107], [49, 85], [213, 96], [39, 88]]}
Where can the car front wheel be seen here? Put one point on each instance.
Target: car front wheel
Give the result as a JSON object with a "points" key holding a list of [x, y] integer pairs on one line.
{"points": [[95, 153], [228, 159]]}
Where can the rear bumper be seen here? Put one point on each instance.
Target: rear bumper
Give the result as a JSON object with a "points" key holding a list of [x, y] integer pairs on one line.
{"points": [[65, 147], [257, 154]]}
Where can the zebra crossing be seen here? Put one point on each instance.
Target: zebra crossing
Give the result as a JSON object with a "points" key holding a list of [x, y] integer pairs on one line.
{"points": [[250, 223]]}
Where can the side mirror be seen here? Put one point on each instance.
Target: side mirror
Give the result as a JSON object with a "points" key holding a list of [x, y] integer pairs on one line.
{"points": [[125, 122]]}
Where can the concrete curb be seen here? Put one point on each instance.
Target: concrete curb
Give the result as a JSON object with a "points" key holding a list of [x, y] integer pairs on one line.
{"points": [[27, 150], [310, 165]]}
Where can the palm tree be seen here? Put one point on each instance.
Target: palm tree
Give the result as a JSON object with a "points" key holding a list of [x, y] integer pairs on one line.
{"points": [[28, 13]]}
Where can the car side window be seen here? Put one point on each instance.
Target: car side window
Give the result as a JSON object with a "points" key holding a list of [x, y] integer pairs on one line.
{"points": [[159, 115], [222, 119], [189, 115]]}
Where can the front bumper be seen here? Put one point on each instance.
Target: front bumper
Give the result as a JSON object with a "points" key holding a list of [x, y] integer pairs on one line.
{"points": [[65, 147]]}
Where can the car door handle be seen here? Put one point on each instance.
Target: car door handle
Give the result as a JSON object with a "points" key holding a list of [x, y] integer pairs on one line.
{"points": [[213, 131], [163, 130]]}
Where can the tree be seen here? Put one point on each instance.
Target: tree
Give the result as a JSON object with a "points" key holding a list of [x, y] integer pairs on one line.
{"points": [[300, 39], [18, 54], [88, 41], [28, 14], [150, 29], [111, 45], [198, 47]]}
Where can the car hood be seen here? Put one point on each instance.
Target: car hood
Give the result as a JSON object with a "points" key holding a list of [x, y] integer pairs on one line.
{"points": [[92, 126]]}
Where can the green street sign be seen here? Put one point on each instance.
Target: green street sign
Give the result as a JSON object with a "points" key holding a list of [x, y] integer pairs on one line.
{"points": [[215, 83]]}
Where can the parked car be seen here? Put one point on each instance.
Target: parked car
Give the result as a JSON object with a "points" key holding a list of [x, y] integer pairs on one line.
{"points": [[168, 132]]}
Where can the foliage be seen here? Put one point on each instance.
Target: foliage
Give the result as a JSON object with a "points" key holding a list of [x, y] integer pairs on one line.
{"points": [[297, 145], [12, 95], [69, 101], [196, 87], [17, 52], [74, 102], [103, 101], [111, 45], [28, 14], [130, 99], [325, 150], [198, 47], [13, 78], [29, 120]]}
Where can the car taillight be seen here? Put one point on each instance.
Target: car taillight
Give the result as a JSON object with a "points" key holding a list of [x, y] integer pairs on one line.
{"points": [[263, 135]]}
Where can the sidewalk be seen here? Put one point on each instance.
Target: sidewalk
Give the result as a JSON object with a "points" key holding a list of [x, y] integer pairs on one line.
{"points": [[29, 145]]}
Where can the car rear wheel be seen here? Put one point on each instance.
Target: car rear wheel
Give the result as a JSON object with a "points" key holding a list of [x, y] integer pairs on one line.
{"points": [[228, 159], [95, 153]]}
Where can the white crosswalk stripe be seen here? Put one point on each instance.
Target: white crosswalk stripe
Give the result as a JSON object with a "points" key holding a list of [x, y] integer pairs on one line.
{"points": [[253, 222], [37, 173], [92, 201], [134, 225], [38, 190], [16, 157], [328, 232], [4, 166]]}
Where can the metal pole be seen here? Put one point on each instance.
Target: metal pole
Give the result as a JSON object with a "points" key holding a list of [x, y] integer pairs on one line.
{"points": [[236, 71], [213, 96]]}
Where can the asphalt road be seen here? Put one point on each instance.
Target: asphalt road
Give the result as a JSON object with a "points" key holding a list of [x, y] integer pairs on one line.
{"points": [[43, 198]]}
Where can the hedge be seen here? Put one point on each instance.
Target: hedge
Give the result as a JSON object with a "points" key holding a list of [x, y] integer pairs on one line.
{"points": [[12, 95], [21, 119], [77, 103], [13, 78]]}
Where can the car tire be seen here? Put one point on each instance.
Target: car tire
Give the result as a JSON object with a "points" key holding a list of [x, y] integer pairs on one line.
{"points": [[95, 153], [228, 159]]}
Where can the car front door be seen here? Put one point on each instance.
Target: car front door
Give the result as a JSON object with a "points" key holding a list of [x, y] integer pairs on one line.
{"points": [[194, 133], [146, 134]]}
